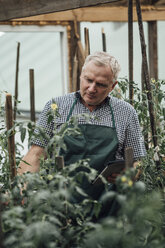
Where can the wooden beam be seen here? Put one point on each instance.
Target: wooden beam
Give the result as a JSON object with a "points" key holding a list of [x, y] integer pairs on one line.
{"points": [[10, 9], [101, 14]]}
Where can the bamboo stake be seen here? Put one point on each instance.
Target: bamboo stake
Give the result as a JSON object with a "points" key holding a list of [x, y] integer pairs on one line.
{"points": [[130, 49], [32, 95], [104, 40], [87, 42], [16, 80], [11, 143], [146, 74]]}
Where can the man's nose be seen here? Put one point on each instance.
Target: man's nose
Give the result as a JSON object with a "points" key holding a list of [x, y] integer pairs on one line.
{"points": [[92, 87]]}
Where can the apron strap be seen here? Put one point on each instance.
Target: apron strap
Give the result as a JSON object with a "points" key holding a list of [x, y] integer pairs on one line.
{"points": [[71, 109], [113, 119]]}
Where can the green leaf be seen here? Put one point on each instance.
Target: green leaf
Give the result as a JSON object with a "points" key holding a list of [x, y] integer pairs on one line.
{"points": [[23, 134]]}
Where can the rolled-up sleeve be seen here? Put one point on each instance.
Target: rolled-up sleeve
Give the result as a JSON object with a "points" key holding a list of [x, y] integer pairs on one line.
{"points": [[44, 130], [133, 136]]}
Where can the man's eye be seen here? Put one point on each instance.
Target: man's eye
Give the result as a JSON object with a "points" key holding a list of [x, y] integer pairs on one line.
{"points": [[89, 80], [101, 85]]}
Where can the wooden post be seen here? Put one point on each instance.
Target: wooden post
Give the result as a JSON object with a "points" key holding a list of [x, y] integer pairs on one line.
{"points": [[73, 35], [104, 40], [16, 80], [87, 43], [130, 48], [80, 55], [146, 74], [32, 95], [11, 143], [153, 49]]}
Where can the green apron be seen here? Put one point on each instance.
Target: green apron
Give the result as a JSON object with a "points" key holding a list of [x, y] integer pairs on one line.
{"points": [[98, 143]]}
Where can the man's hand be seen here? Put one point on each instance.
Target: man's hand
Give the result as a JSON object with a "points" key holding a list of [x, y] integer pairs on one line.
{"points": [[112, 178]]}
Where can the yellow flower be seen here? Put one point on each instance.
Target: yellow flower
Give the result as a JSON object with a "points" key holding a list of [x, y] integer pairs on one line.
{"points": [[49, 177], [130, 183], [153, 80], [54, 106], [139, 164], [123, 179]]}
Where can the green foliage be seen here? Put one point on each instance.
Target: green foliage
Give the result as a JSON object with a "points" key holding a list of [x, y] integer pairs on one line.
{"points": [[140, 103], [153, 165], [56, 209], [51, 215], [57, 212]]}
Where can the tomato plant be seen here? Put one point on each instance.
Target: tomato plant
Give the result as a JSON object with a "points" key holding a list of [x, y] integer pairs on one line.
{"points": [[55, 208]]}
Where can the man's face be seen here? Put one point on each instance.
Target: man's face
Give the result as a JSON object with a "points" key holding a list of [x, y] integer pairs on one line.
{"points": [[95, 83]]}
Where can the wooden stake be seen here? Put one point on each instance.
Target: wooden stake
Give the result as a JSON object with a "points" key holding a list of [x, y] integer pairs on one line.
{"points": [[75, 73], [32, 95], [11, 143], [87, 42], [146, 137], [146, 75], [16, 80], [104, 40], [130, 49], [60, 162], [153, 56]]}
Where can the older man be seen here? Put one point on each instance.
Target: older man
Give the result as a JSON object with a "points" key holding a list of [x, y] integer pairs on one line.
{"points": [[104, 139]]}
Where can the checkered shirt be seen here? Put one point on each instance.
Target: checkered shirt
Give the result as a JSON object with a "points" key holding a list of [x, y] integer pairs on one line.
{"points": [[126, 121]]}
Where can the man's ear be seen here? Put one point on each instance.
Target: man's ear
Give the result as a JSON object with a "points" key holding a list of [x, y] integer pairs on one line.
{"points": [[114, 84]]}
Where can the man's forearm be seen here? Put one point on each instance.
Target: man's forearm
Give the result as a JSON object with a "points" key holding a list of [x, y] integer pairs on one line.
{"points": [[32, 159]]}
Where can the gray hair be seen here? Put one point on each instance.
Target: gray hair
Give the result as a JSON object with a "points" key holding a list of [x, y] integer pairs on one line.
{"points": [[104, 59]]}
